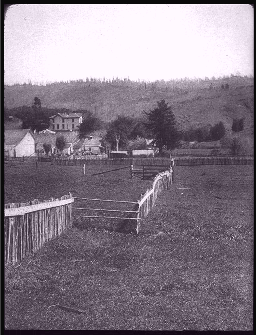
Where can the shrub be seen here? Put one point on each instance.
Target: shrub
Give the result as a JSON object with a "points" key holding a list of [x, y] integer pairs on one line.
{"points": [[60, 142], [217, 131], [241, 146], [238, 125], [47, 148], [138, 143]]}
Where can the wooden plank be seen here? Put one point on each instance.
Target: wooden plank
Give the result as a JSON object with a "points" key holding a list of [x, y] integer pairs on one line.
{"points": [[108, 217], [104, 210], [155, 167], [119, 201], [126, 167], [144, 197], [32, 208]]}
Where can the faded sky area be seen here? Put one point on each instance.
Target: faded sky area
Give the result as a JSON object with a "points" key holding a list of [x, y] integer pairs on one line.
{"points": [[48, 43]]}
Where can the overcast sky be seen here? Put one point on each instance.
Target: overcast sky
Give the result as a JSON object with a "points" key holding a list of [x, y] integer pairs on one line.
{"points": [[48, 43]]}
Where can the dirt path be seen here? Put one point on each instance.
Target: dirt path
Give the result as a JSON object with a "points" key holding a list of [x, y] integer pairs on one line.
{"points": [[191, 267]]}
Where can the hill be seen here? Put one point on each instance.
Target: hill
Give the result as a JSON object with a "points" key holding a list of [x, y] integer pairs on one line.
{"points": [[195, 102]]}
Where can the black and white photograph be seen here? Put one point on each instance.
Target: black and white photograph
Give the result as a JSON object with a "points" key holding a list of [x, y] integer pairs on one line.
{"points": [[128, 167]]}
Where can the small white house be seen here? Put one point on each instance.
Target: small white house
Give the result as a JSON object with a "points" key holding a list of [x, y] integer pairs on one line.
{"points": [[19, 143]]}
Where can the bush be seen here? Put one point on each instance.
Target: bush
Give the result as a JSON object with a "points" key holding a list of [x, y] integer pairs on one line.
{"points": [[217, 131], [137, 144], [238, 125], [201, 134], [47, 148], [241, 146], [60, 142]]}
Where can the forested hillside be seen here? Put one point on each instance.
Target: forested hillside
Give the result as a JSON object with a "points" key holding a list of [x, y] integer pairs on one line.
{"points": [[195, 102]]}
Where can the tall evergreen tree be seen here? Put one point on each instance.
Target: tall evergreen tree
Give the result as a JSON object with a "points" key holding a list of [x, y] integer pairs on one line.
{"points": [[162, 124]]}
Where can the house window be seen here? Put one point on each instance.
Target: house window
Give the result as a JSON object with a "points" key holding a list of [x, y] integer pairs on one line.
{"points": [[52, 120], [53, 126], [63, 126], [73, 120], [62, 120], [73, 126], [58, 126]]}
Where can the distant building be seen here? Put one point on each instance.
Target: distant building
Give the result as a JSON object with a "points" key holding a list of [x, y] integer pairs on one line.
{"points": [[65, 122], [119, 154], [19, 143], [92, 145], [143, 152], [44, 137], [49, 137]]}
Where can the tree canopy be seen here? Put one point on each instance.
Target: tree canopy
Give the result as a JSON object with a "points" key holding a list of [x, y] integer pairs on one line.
{"points": [[119, 131], [47, 148], [60, 142], [161, 122], [90, 123]]}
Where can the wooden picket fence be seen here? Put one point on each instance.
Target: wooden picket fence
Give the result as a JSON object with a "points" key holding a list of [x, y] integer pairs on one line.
{"points": [[161, 182], [27, 226]]}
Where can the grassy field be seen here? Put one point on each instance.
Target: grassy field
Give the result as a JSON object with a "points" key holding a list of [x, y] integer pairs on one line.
{"points": [[24, 182], [191, 267]]}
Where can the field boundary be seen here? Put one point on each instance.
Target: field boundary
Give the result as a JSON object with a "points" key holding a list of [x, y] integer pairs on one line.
{"points": [[161, 182], [27, 226], [142, 207], [181, 161], [187, 161]]}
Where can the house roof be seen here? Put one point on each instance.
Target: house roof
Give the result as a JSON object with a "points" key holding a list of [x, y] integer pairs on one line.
{"points": [[14, 136], [70, 136], [72, 115], [47, 131], [68, 145], [78, 144], [93, 142], [48, 138]]}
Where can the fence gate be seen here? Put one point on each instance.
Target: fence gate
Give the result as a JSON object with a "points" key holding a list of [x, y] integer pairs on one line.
{"points": [[113, 210]]}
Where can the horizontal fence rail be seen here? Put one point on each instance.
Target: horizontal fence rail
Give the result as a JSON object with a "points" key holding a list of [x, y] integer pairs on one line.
{"points": [[189, 161], [103, 214], [27, 226], [180, 161]]}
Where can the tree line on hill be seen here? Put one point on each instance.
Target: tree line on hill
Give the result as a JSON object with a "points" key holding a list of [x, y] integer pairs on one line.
{"points": [[178, 83]]}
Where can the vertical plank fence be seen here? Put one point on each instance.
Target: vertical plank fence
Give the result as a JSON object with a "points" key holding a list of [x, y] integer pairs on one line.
{"points": [[27, 226]]}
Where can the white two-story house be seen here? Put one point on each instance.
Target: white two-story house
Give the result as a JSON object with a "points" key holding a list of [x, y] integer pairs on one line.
{"points": [[65, 122]]}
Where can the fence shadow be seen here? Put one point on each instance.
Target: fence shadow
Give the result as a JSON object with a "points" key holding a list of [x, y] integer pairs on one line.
{"points": [[128, 226], [122, 226]]}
